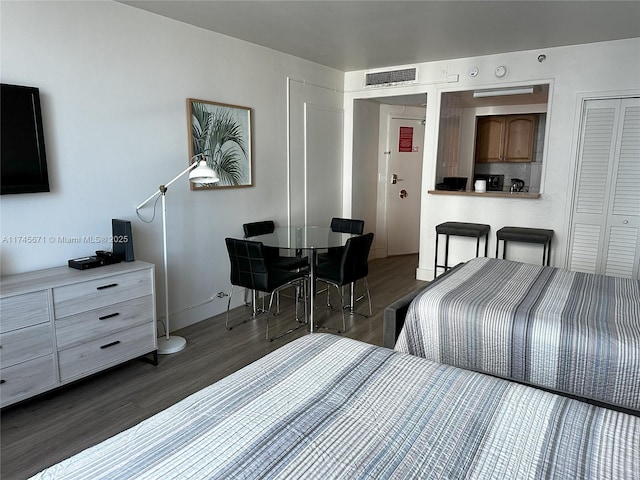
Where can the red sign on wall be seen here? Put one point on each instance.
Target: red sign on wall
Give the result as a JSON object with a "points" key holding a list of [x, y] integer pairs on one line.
{"points": [[405, 144]]}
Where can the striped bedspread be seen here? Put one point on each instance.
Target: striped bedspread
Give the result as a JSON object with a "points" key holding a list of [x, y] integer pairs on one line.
{"points": [[327, 407], [570, 332]]}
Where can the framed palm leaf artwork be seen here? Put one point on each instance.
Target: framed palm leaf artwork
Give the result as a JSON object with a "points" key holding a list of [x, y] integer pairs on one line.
{"points": [[222, 133]]}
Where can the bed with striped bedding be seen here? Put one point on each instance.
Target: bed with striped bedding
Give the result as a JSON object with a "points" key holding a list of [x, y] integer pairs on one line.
{"points": [[327, 407], [570, 332]]}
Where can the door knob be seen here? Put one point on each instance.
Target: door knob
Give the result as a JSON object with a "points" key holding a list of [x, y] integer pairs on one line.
{"points": [[403, 193]]}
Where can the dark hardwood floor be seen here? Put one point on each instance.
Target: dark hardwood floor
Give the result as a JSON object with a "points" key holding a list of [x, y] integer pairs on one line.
{"points": [[43, 431]]}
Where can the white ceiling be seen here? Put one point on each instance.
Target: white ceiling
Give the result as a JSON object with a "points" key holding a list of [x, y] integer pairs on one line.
{"points": [[364, 34]]}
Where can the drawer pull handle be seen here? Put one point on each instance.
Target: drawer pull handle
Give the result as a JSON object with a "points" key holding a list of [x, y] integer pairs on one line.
{"points": [[110, 344], [102, 287], [111, 315], [2, 381]]}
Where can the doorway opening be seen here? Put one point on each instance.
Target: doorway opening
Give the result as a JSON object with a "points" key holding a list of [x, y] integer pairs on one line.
{"points": [[388, 154]]}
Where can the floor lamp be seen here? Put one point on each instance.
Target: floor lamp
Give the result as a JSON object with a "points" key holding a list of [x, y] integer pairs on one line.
{"points": [[200, 173]]}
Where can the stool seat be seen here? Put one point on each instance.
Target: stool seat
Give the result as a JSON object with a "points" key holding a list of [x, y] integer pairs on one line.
{"points": [[525, 235], [460, 229], [463, 229]]}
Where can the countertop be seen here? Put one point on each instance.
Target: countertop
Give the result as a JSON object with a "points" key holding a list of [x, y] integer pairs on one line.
{"points": [[485, 194]]}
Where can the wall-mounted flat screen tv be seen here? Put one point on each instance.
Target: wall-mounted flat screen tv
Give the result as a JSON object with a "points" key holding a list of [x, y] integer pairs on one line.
{"points": [[23, 161]]}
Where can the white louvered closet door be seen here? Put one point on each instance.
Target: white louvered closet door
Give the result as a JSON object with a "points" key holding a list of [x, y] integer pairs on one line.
{"points": [[605, 230]]}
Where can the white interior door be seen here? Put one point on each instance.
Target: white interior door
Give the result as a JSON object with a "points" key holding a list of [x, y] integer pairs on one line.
{"points": [[605, 229], [404, 167], [316, 121]]}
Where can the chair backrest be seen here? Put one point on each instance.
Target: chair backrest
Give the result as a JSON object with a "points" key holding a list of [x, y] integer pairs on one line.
{"points": [[258, 228], [347, 225], [354, 263], [248, 266]]}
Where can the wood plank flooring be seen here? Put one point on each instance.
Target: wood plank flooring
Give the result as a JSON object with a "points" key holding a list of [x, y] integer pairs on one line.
{"points": [[43, 431]]}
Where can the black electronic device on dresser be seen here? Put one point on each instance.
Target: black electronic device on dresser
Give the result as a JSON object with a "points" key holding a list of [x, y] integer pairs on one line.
{"points": [[495, 183], [122, 239], [122, 248]]}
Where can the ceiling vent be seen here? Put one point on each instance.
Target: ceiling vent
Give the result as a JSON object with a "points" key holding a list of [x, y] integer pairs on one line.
{"points": [[390, 77]]}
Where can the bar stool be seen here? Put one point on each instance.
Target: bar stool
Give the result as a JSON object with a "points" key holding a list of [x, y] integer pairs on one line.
{"points": [[525, 235], [460, 229]]}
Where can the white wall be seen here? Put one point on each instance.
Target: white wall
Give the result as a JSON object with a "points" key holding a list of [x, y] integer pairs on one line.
{"points": [[575, 73], [114, 82], [365, 166]]}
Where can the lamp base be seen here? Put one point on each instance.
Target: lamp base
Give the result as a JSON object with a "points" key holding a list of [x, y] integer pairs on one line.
{"points": [[172, 344]]}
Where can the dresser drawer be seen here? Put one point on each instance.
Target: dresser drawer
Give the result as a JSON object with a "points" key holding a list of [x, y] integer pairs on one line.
{"points": [[26, 379], [97, 323], [24, 310], [85, 296], [106, 351], [24, 344]]}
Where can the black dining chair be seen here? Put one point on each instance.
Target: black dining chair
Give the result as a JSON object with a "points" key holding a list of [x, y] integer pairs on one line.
{"points": [[250, 269], [342, 225], [352, 266], [347, 225], [272, 254]]}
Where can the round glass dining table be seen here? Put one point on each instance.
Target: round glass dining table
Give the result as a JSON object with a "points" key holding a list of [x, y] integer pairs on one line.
{"points": [[310, 239]]}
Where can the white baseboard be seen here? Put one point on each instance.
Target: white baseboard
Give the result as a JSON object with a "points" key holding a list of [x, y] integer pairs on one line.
{"points": [[424, 274]]}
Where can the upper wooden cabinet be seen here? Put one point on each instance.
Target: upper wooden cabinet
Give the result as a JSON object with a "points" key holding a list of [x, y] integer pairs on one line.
{"points": [[505, 138]]}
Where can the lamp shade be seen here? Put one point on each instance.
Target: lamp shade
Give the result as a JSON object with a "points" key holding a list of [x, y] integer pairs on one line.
{"points": [[203, 173]]}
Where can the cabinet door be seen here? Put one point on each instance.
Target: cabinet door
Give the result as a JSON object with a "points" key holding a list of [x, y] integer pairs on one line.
{"points": [[519, 137], [490, 139]]}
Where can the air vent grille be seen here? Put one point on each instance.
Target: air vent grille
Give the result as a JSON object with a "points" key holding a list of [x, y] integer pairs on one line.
{"points": [[390, 77]]}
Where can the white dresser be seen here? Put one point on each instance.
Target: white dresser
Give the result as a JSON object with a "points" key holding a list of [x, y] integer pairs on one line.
{"points": [[58, 325]]}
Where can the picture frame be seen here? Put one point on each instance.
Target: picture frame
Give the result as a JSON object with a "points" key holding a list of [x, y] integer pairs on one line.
{"points": [[223, 133]]}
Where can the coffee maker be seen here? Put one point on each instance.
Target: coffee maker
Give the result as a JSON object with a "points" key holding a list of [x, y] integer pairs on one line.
{"points": [[495, 183]]}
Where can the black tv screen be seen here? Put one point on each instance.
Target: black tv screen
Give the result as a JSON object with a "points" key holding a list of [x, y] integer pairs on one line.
{"points": [[23, 161]]}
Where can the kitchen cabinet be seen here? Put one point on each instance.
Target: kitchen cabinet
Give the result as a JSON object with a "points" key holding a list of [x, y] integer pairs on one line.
{"points": [[505, 138]]}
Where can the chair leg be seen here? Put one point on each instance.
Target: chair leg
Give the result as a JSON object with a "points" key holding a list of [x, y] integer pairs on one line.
{"points": [[305, 294], [269, 315], [226, 322], [328, 297], [366, 284], [341, 293], [254, 314], [302, 296], [352, 296], [344, 324], [368, 294], [256, 310], [276, 292], [342, 307]]}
